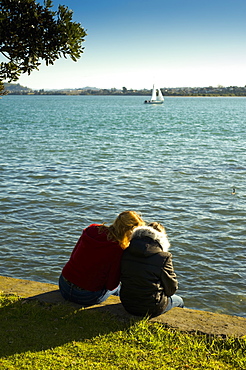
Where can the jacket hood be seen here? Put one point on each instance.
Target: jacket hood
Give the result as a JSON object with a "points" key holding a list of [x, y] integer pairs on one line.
{"points": [[147, 231]]}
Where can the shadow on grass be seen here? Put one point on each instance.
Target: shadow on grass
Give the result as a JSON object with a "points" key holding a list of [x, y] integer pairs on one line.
{"points": [[34, 325]]}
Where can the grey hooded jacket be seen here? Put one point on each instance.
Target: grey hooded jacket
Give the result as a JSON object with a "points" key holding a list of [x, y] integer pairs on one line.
{"points": [[147, 274]]}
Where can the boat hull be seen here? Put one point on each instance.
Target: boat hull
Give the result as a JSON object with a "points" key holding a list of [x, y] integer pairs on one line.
{"points": [[153, 102]]}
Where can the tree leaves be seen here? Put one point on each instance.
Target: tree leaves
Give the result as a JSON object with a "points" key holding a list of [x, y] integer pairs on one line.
{"points": [[30, 32]]}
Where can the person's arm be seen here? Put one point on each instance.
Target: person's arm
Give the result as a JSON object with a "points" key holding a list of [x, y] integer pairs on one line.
{"points": [[168, 277]]}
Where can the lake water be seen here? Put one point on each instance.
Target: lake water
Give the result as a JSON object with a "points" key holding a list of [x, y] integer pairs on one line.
{"points": [[68, 161]]}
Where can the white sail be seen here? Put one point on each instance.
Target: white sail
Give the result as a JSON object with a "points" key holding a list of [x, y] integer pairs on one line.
{"points": [[160, 96], [153, 97]]}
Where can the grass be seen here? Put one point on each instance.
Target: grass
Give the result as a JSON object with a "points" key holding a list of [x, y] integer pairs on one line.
{"points": [[35, 335]]}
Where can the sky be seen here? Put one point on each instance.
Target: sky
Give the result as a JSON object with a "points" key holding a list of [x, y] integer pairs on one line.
{"points": [[135, 43]]}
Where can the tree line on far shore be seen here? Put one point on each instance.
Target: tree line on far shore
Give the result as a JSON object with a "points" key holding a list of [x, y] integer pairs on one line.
{"points": [[17, 89]]}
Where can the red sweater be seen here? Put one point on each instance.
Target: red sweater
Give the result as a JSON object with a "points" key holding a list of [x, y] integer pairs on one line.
{"points": [[95, 261]]}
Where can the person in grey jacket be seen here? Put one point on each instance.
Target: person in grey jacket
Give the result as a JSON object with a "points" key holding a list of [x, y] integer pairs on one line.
{"points": [[148, 280]]}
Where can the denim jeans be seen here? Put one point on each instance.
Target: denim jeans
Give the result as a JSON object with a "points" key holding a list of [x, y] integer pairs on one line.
{"points": [[174, 301], [85, 298]]}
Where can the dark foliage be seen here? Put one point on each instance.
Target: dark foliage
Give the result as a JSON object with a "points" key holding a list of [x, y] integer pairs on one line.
{"points": [[30, 32]]}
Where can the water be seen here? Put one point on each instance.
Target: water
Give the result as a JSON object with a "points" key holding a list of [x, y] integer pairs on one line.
{"points": [[68, 161]]}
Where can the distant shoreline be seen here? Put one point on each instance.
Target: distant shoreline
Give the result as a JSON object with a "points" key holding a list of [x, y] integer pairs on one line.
{"points": [[210, 91], [124, 95]]}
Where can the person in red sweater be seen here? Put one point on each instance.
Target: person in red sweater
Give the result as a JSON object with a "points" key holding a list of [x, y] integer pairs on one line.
{"points": [[92, 273]]}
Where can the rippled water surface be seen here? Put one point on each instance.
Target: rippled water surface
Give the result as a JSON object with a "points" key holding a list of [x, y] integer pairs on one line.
{"points": [[68, 161]]}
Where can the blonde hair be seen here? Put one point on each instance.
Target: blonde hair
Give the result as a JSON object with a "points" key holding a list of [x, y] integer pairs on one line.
{"points": [[122, 227]]}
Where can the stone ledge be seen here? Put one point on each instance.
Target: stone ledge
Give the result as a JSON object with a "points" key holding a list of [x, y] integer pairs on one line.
{"points": [[183, 319]]}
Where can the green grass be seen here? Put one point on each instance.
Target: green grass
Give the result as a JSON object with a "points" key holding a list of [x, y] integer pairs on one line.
{"points": [[35, 335]]}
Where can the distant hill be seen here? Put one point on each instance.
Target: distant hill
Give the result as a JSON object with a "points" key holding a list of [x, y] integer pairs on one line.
{"points": [[16, 88], [19, 89], [89, 88]]}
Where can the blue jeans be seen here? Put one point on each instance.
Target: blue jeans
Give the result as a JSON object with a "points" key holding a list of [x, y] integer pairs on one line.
{"points": [[174, 301], [85, 298]]}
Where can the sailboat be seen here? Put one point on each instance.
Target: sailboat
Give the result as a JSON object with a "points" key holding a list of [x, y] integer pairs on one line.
{"points": [[156, 97]]}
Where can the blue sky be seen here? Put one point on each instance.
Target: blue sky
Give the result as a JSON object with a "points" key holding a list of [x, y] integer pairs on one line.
{"points": [[134, 43]]}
